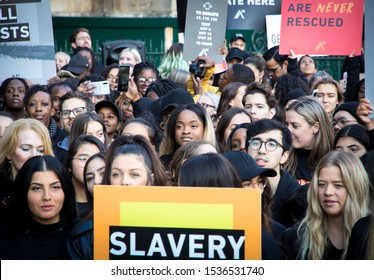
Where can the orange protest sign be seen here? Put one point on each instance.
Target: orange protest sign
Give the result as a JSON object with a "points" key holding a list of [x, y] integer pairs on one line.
{"points": [[321, 27], [176, 223]]}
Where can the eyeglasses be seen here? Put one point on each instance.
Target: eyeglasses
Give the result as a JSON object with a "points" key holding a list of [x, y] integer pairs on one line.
{"points": [[342, 122], [206, 105], [81, 161], [112, 78], [64, 114], [145, 80], [270, 145]]}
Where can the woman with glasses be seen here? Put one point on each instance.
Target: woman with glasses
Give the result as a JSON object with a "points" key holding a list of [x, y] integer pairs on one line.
{"points": [[345, 114], [338, 197], [110, 74], [210, 101], [80, 150], [312, 137], [144, 74]]}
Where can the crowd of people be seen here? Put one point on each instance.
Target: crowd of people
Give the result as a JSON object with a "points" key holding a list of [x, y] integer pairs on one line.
{"points": [[270, 122]]}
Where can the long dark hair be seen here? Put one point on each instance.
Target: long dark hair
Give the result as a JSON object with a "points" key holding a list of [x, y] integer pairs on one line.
{"points": [[24, 177], [208, 170]]}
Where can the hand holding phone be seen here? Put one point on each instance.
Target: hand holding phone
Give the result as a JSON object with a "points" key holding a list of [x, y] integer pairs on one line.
{"points": [[123, 77]]}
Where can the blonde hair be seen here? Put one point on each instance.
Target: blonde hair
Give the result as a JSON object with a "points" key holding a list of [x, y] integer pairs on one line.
{"points": [[313, 227], [313, 112], [135, 52], [10, 140]]}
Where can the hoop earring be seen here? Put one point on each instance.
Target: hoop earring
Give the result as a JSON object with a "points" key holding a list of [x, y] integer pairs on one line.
{"points": [[162, 125]]}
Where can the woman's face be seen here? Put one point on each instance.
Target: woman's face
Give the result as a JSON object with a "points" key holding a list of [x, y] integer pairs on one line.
{"points": [[110, 118], [113, 78], [127, 111], [40, 108], [146, 77], [238, 140], [14, 95], [328, 95], [60, 61], [94, 173], [237, 119], [256, 183], [133, 173], [45, 197], [29, 144], [88, 56], [84, 152], [238, 100], [188, 127], [332, 193], [307, 66], [258, 75], [351, 145], [95, 128], [303, 134], [128, 57]]}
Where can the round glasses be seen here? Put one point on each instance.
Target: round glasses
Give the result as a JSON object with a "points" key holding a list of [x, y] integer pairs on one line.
{"points": [[270, 145]]}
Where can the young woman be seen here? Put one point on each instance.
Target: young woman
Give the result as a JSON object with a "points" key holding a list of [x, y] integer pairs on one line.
{"points": [[228, 121], [23, 139], [307, 67], [237, 138], [111, 116], [312, 137], [80, 150], [45, 212], [89, 123], [144, 74], [187, 123], [361, 242], [12, 91], [39, 105], [329, 92], [338, 197], [132, 161], [231, 96], [354, 139], [129, 56], [80, 242]]}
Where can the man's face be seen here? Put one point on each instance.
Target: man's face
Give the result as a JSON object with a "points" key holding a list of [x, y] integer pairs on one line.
{"points": [[71, 104], [275, 69], [239, 43], [265, 158]]}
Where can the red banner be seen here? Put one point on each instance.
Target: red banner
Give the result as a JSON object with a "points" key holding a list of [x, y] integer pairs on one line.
{"points": [[321, 27]]}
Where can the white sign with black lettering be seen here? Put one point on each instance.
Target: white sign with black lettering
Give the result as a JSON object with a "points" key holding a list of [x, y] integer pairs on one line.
{"points": [[273, 29]]}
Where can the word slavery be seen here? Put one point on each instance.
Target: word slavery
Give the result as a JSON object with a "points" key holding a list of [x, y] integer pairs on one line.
{"points": [[175, 243]]}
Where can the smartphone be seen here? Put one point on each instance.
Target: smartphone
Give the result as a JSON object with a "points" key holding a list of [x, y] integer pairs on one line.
{"points": [[123, 77], [101, 88]]}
